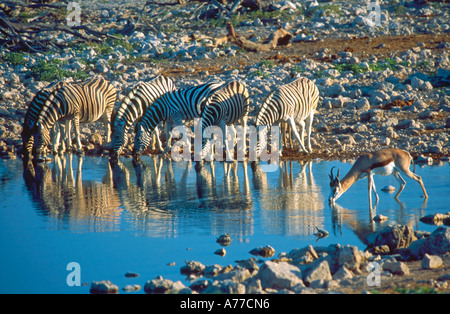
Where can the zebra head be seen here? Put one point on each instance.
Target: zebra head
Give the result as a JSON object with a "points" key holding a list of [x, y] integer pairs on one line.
{"points": [[42, 138], [141, 141], [119, 139], [28, 141]]}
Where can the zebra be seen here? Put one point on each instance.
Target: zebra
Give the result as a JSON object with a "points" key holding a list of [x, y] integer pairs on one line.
{"points": [[224, 108], [173, 107], [31, 117], [141, 96], [78, 103], [295, 103]]}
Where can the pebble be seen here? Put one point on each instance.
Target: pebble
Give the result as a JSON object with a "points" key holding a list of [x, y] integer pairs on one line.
{"points": [[104, 287], [224, 240], [431, 262], [263, 251]]}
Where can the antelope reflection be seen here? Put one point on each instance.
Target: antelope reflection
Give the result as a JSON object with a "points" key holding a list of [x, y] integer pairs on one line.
{"points": [[295, 206], [60, 195]]}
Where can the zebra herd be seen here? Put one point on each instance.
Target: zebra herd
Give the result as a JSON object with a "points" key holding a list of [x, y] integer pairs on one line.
{"points": [[149, 105]]}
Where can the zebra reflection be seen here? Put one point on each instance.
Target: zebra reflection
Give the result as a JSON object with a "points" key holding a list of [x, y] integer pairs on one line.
{"points": [[295, 205], [73, 201]]}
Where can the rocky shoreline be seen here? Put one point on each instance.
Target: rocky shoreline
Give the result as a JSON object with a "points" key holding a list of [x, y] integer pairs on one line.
{"points": [[381, 86], [397, 260]]}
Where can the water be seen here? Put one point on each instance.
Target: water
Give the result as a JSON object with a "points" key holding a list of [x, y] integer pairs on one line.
{"points": [[111, 220]]}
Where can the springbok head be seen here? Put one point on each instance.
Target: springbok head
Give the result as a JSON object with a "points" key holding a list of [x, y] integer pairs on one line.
{"points": [[335, 186]]}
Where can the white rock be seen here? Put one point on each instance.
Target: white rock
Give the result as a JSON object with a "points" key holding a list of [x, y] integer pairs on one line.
{"points": [[431, 262], [279, 275]]}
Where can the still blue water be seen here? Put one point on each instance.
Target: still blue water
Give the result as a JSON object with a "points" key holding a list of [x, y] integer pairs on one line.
{"points": [[145, 218]]}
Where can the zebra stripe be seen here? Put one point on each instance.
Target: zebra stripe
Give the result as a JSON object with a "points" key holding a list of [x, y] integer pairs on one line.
{"points": [[34, 109], [78, 103], [133, 107], [174, 106], [294, 102], [226, 107]]}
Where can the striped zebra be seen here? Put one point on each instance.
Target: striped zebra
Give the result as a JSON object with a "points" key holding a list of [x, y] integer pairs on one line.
{"points": [[34, 109], [133, 107], [224, 108], [174, 107], [78, 103], [294, 103]]}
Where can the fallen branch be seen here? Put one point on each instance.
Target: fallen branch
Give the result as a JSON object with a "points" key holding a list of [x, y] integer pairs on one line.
{"points": [[279, 38], [18, 33]]}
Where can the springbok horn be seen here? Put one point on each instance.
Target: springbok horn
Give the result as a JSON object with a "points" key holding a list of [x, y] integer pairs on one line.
{"points": [[337, 176], [331, 175]]}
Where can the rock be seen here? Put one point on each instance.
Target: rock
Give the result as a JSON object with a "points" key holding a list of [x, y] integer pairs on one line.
{"points": [[435, 219], [394, 237], [266, 251], [131, 275], [396, 268], [362, 103], [342, 273], [333, 90], [371, 114], [380, 217], [350, 257], [159, 285], [220, 252], [388, 188], [437, 243], [380, 250], [103, 287], [212, 270], [131, 288], [200, 285], [192, 267], [249, 264], [319, 270], [224, 240], [303, 256], [225, 287], [409, 124], [279, 275], [431, 262], [238, 274]]}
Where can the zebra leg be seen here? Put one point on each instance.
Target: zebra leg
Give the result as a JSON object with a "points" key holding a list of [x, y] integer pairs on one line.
{"points": [[229, 154], [56, 136], [158, 140], [168, 131], [62, 144], [67, 136], [76, 127], [309, 121], [242, 145], [294, 129]]}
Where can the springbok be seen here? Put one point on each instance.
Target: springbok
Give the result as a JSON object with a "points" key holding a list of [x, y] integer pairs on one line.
{"points": [[384, 162]]}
